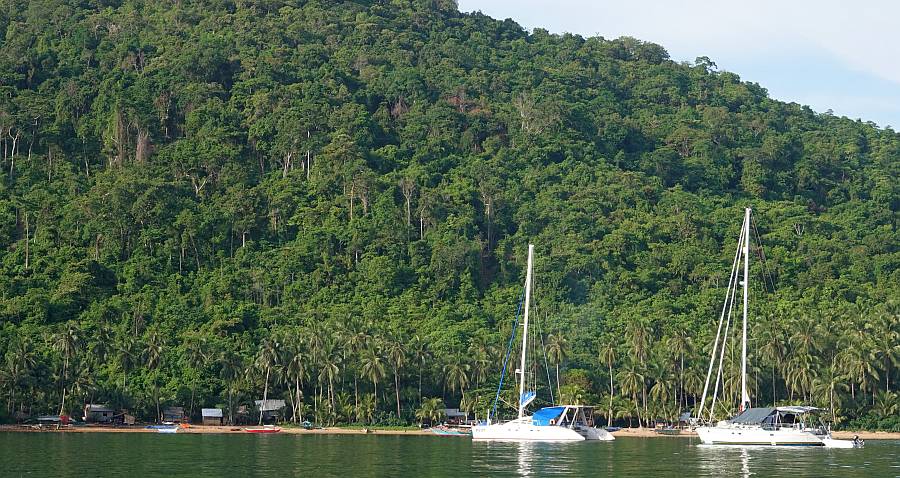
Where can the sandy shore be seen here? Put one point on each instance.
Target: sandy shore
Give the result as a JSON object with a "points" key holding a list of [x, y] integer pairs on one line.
{"points": [[200, 429], [623, 433], [848, 435]]}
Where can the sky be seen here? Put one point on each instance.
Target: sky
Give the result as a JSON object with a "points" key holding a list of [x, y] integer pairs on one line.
{"points": [[836, 55]]}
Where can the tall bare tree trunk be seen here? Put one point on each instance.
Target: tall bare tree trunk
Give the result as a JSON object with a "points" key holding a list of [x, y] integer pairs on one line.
{"points": [[397, 390], [62, 404], [27, 239], [611, 394], [265, 396]]}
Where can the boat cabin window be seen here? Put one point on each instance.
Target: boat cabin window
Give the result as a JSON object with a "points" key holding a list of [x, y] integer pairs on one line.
{"points": [[789, 419]]}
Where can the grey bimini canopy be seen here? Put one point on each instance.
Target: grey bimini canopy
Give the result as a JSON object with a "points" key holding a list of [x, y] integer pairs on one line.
{"points": [[752, 416]]}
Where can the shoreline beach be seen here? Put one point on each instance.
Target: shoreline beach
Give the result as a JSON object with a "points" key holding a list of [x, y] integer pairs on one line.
{"points": [[225, 429]]}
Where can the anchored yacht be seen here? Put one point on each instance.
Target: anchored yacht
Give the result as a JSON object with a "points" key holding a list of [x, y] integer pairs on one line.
{"points": [[557, 423], [770, 426]]}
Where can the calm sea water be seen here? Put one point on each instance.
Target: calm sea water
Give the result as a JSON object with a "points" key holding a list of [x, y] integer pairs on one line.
{"points": [[143, 454]]}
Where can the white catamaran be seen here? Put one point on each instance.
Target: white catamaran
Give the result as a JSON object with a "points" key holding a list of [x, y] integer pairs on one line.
{"points": [[769, 426], [557, 423]]}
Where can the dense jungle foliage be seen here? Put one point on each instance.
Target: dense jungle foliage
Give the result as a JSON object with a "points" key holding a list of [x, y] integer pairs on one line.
{"points": [[204, 202]]}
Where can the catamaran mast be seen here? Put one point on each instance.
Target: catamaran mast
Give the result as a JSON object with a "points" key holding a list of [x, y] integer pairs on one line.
{"points": [[525, 333], [745, 397]]}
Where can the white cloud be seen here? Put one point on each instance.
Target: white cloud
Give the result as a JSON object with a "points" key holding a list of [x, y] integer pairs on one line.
{"points": [[863, 35], [830, 54]]}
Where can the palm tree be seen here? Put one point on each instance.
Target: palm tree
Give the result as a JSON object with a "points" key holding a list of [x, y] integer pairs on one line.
{"points": [[693, 383], [329, 368], [481, 361], [373, 369], [557, 351], [66, 343], [195, 354], [315, 343], [358, 340], [884, 331], [20, 363], [343, 408], [827, 388], [153, 357], [886, 404], [420, 353], [302, 409], [608, 356], [125, 352], [772, 351], [639, 336], [396, 352], [100, 346], [232, 364], [430, 410], [295, 369], [83, 382], [631, 381], [457, 373], [800, 372], [663, 384], [680, 345], [265, 359], [366, 409], [153, 349]]}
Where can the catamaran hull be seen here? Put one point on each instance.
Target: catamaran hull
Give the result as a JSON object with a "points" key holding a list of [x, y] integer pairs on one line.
{"points": [[833, 443], [594, 433], [524, 432], [758, 436]]}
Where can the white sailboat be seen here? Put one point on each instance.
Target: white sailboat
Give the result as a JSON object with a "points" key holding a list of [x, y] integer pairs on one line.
{"points": [[553, 424], [767, 426]]}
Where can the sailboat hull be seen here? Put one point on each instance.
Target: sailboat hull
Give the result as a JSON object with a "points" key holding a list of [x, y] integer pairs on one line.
{"points": [[751, 435], [526, 430], [520, 431]]}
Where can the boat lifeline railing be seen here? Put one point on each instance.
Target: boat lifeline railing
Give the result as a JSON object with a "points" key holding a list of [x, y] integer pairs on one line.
{"points": [[512, 337]]}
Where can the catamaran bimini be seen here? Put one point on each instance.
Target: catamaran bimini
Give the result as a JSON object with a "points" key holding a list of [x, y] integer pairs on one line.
{"points": [[772, 426], [557, 423]]}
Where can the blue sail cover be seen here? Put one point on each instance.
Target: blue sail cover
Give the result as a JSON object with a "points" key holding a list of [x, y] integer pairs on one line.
{"points": [[543, 416], [526, 398]]}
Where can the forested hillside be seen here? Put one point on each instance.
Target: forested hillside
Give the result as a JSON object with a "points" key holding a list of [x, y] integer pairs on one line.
{"points": [[330, 202]]}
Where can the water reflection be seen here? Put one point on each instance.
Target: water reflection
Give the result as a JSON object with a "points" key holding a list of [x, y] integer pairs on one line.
{"points": [[323, 456], [525, 458], [722, 460], [745, 463]]}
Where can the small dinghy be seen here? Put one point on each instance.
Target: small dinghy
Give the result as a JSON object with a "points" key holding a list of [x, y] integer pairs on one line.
{"points": [[164, 428]]}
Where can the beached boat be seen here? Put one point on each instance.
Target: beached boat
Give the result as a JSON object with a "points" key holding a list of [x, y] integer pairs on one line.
{"points": [[263, 429], [448, 431], [667, 431], [556, 423], [767, 426], [164, 428]]}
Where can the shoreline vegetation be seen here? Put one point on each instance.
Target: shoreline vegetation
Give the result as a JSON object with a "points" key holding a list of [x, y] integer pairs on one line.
{"points": [[326, 204], [203, 429]]}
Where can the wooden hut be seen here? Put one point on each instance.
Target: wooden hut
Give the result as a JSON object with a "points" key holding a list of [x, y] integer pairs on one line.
{"points": [[174, 415], [272, 410], [453, 416], [212, 416], [94, 413]]}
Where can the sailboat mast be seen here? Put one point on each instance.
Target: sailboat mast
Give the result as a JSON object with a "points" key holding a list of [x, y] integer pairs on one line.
{"points": [[525, 332], [745, 396]]}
